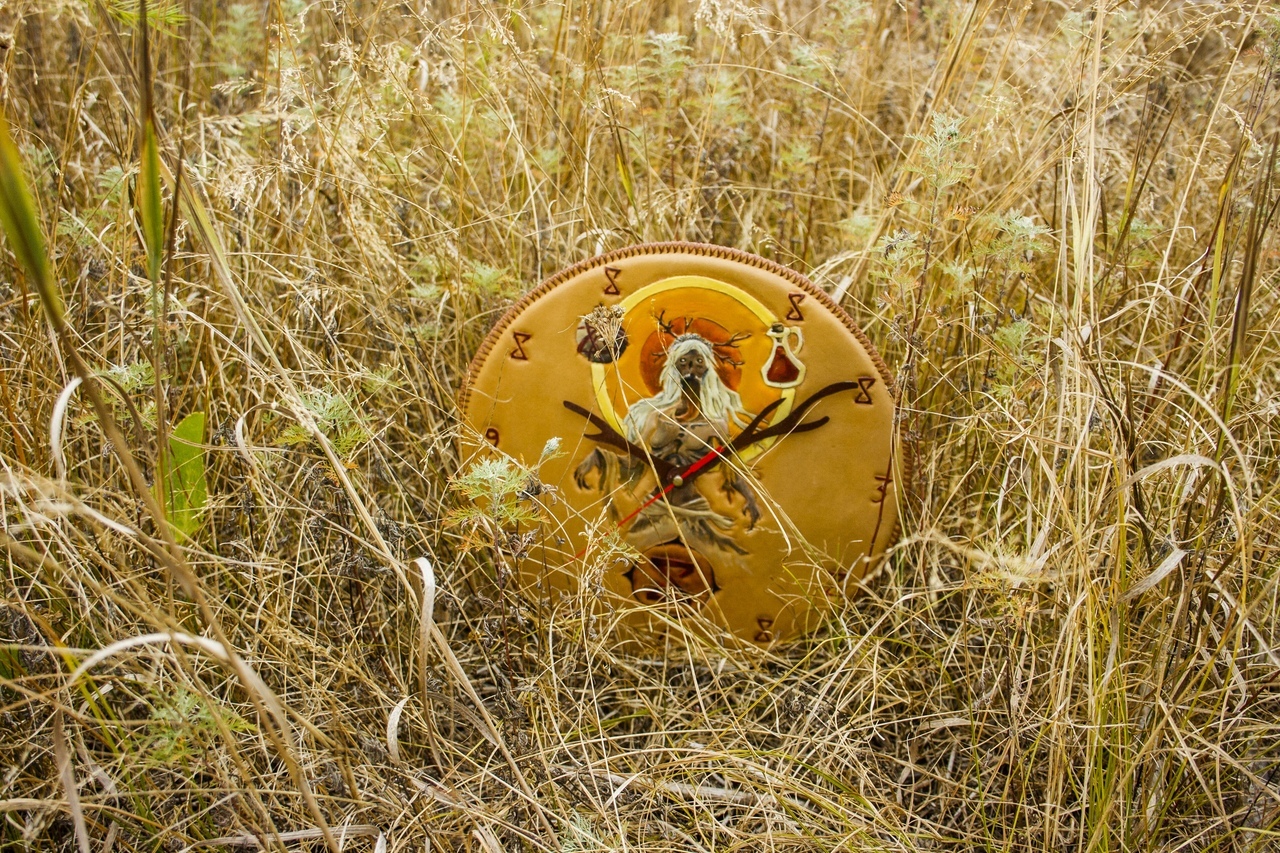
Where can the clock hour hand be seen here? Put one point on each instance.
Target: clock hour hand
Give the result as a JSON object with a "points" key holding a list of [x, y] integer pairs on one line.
{"points": [[792, 422]]}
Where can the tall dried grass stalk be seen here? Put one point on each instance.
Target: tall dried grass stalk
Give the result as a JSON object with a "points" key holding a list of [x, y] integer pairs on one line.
{"points": [[300, 218]]}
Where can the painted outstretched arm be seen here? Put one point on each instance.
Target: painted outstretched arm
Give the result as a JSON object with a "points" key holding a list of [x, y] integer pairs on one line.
{"points": [[607, 435]]}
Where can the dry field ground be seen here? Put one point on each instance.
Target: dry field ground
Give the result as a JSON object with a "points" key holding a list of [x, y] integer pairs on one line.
{"points": [[1054, 218]]}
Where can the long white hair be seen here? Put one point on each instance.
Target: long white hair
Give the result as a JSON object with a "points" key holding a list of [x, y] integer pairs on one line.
{"points": [[719, 404]]}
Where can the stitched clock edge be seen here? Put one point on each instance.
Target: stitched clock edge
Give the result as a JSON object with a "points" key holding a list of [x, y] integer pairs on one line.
{"points": [[900, 446]]}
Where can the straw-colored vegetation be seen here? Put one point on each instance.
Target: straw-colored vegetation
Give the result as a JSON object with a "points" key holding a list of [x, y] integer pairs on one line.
{"points": [[1056, 220]]}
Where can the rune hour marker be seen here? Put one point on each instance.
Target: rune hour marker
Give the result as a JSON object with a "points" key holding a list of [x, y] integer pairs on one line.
{"points": [[864, 390], [882, 486], [795, 299], [612, 273], [518, 353]]}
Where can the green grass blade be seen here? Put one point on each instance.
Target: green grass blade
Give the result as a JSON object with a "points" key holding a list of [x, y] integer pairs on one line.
{"points": [[21, 224], [186, 491], [149, 207], [11, 667]]}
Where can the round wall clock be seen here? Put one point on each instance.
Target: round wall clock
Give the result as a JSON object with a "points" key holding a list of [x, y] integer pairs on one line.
{"points": [[717, 412]]}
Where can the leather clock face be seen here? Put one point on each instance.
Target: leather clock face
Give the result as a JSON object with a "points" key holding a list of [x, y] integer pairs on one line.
{"points": [[717, 412]]}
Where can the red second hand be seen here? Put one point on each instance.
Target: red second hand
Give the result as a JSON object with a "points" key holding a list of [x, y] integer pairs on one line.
{"points": [[678, 480]]}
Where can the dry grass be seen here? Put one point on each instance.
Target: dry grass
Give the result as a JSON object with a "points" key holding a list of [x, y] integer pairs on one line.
{"points": [[1054, 219]]}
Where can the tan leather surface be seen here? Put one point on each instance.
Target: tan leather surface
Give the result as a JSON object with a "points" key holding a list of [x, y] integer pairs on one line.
{"points": [[827, 497]]}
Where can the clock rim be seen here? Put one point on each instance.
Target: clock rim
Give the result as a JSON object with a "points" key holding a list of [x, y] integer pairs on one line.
{"points": [[900, 447]]}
